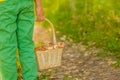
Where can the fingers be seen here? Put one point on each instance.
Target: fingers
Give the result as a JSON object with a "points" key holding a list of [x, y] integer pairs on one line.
{"points": [[39, 14], [40, 18]]}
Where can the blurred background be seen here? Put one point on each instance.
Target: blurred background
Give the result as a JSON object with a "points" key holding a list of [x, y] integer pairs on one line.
{"points": [[91, 32], [95, 23]]}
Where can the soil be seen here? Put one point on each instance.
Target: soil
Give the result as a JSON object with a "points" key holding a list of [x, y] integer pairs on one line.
{"points": [[80, 63]]}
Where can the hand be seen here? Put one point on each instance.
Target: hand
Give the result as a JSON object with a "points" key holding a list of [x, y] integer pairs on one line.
{"points": [[39, 14]]}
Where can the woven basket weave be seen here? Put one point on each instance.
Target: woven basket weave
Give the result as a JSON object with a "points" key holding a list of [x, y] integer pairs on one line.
{"points": [[49, 58]]}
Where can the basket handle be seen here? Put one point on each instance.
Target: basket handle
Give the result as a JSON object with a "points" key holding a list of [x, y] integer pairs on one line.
{"points": [[53, 31]]}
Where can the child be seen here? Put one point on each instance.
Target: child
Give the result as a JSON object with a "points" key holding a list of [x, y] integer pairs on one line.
{"points": [[16, 30]]}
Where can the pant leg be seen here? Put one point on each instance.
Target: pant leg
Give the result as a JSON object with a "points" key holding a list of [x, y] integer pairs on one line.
{"points": [[25, 43], [8, 41]]}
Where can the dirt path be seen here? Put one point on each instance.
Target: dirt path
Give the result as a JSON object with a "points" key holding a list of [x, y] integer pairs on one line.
{"points": [[82, 64]]}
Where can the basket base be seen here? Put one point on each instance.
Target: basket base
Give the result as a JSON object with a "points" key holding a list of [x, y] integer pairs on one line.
{"points": [[49, 58]]}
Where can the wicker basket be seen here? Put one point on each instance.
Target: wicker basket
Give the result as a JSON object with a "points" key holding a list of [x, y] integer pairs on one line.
{"points": [[51, 57]]}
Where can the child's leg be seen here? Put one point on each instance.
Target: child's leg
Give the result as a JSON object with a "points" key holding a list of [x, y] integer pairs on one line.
{"points": [[25, 42], [8, 41]]}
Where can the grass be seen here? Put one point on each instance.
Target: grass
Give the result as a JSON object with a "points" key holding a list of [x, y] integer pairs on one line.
{"points": [[44, 76], [88, 21]]}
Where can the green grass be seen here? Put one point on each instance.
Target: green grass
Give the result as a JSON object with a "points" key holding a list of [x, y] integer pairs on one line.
{"points": [[44, 76], [87, 21]]}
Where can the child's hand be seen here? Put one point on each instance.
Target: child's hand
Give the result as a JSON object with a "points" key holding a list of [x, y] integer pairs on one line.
{"points": [[39, 14], [39, 10]]}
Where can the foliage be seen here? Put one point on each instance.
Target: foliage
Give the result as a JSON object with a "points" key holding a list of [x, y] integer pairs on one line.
{"points": [[95, 21], [44, 77]]}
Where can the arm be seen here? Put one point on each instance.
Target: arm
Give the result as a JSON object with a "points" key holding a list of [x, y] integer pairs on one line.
{"points": [[39, 10]]}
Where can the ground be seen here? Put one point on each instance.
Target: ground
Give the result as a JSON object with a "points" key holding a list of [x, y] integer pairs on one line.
{"points": [[80, 63]]}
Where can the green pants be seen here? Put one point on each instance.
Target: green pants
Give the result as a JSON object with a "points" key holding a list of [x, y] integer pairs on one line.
{"points": [[16, 29]]}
